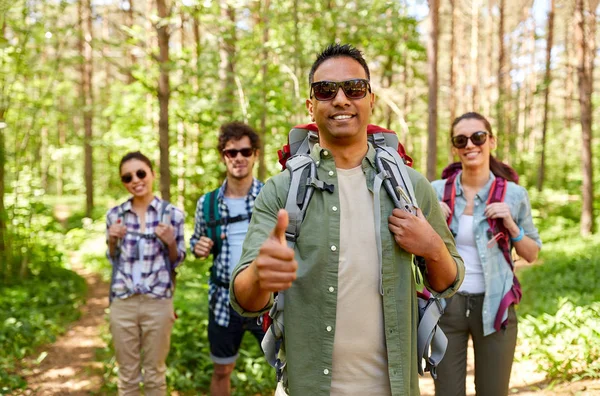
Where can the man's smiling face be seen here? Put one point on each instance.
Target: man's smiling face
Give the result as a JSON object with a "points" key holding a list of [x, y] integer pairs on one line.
{"points": [[341, 120]]}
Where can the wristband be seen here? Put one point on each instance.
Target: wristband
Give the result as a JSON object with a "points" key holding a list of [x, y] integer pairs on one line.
{"points": [[520, 236]]}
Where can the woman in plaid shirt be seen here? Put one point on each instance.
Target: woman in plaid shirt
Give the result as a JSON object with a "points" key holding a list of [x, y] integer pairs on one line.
{"points": [[145, 244]]}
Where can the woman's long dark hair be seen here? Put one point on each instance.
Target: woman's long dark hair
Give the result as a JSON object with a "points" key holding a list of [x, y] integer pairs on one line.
{"points": [[135, 155], [498, 168]]}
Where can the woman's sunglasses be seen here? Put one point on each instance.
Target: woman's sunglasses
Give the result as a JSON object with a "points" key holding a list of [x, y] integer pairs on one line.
{"points": [[478, 138], [327, 90], [128, 177], [232, 153]]}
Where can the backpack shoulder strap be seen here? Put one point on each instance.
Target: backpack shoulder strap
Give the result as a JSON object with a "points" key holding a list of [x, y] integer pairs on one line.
{"points": [[303, 182], [497, 229], [165, 212], [212, 218], [450, 196]]}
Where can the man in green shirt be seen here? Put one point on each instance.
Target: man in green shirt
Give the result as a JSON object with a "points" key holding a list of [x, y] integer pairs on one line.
{"points": [[350, 323]]}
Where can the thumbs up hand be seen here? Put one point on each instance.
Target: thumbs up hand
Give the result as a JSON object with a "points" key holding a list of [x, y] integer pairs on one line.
{"points": [[275, 266]]}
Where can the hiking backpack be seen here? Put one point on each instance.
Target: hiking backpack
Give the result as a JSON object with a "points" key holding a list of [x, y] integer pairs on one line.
{"points": [[165, 213], [214, 221], [497, 233], [391, 162]]}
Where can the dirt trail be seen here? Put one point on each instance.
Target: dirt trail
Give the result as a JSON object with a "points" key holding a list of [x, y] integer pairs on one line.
{"points": [[70, 368]]}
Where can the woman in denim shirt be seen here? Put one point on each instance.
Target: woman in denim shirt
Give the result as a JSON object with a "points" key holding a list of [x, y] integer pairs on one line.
{"points": [[476, 309]]}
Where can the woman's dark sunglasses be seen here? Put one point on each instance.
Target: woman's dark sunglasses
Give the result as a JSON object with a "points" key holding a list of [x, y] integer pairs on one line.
{"points": [[478, 138], [327, 90], [128, 177], [232, 153]]}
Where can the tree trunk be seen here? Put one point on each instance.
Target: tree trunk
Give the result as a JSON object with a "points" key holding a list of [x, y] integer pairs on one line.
{"points": [[432, 79], [585, 58], [62, 140], [569, 99], [547, 80], [85, 49], [3, 214], [453, 71], [501, 131], [129, 22], [264, 16], [227, 54], [474, 54], [164, 94]]}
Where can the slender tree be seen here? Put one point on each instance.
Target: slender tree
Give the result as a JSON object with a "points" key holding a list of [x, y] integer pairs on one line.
{"points": [[474, 54], [227, 54], [432, 79], [85, 49], [164, 95], [264, 22], [547, 81], [586, 48]]}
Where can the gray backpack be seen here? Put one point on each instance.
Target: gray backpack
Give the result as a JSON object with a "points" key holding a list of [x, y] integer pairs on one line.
{"points": [[391, 167]]}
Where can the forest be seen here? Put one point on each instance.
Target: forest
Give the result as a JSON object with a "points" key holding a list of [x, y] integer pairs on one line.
{"points": [[82, 82]]}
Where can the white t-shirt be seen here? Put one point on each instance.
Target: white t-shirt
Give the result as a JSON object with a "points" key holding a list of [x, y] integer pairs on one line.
{"points": [[360, 365], [236, 232], [474, 282]]}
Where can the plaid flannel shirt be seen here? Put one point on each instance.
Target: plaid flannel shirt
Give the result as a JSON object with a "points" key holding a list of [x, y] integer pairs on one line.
{"points": [[155, 277], [218, 297]]}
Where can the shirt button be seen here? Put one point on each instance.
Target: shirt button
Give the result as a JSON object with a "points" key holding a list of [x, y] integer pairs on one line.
{"points": [[325, 153], [325, 371], [333, 248], [330, 173], [328, 328], [331, 289], [334, 208]]}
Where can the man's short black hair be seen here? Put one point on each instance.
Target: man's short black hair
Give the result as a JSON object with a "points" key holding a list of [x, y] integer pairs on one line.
{"points": [[336, 51], [235, 131]]}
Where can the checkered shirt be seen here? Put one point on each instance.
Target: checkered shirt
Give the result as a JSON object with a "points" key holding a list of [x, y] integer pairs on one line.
{"points": [[218, 297], [155, 277]]}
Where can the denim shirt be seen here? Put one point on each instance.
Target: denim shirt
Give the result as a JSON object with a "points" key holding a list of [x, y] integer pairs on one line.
{"points": [[497, 272], [311, 302]]}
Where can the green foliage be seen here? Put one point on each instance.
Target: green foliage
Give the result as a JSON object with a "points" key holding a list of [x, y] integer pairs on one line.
{"points": [[560, 310], [33, 313]]}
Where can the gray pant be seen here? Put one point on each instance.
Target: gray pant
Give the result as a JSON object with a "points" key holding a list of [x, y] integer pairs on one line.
{"points": [[493, 354]]}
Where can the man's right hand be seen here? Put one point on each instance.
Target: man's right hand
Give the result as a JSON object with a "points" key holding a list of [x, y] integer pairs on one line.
{"points": [[275, 266], [203, 247]]}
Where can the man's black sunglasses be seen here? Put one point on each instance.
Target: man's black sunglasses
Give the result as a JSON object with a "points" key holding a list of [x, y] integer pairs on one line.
{"points": [[478, 138], [327, 90], [232, 153], [128, 177]]}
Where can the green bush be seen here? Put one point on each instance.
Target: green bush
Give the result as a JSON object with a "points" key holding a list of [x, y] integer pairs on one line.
{"points": [[559, 325]]}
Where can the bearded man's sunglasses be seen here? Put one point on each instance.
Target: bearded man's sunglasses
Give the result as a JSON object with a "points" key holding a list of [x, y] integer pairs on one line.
{"points": [[232, 153], [478, 138], [128, 177], [327, 90]]}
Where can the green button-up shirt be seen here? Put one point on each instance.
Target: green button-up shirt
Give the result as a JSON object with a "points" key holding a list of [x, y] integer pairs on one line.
{"points": [[311, 302]]}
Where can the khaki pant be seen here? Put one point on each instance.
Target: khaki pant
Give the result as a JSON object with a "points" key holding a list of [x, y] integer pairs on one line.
{"points": [[493, 354], [141, 331]]}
